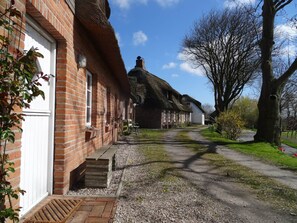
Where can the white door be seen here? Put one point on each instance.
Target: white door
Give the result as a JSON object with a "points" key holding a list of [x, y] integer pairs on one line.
{"points": [[38, 127]]}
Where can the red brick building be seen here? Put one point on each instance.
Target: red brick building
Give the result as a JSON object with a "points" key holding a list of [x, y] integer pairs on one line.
{"points": [[86, 97]]}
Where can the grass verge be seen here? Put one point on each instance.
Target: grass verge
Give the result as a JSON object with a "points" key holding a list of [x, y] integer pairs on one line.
{"points": [[280, 196], [290, 138], [290, 142], [261, 150]]}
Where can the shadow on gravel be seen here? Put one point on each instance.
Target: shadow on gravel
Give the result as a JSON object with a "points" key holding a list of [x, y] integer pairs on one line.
{"points": [[183, 165], [193, 168]]}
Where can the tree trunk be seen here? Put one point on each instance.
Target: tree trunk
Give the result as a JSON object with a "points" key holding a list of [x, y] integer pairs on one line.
{"points": [[269, 122], [268, 129]]}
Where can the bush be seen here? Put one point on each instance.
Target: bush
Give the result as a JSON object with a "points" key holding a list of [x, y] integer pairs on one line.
{"points": [[231, 124], [248, 111]]}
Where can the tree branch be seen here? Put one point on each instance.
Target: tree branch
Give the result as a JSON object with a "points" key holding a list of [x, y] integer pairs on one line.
{"points": [[279, 4], [288, 73]]}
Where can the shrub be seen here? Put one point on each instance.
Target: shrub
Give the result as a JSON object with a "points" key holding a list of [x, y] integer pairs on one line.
{"points": [[231, 124], [248, 111]]}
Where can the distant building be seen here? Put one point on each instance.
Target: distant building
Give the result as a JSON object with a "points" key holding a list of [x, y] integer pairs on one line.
{"points": [[198, 114], [157, 104]]}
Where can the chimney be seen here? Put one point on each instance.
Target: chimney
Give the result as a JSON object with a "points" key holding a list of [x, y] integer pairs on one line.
{"points": [[140, 62]]}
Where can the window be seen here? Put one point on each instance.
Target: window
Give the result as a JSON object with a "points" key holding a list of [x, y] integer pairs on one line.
{"points": [[89, 99], [108, 105], [116, 107], [107, 114]]}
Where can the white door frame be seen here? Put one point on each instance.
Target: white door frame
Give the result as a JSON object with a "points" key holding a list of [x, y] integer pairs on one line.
{"points": [[52, 80]]}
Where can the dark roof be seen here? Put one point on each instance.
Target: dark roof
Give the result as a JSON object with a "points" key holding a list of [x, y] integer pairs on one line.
{"points": [[95, 19], [187, 98], [154, 92]]}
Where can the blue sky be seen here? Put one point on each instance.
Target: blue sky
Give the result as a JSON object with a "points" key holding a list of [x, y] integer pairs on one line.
{"points": [[154, 30]]}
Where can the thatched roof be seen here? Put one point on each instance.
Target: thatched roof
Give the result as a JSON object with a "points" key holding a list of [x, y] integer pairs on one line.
{"points": [[154, 92], [187, 98], [94, 18]]}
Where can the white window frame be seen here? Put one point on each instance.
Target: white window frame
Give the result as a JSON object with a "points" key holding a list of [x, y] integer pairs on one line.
{"points": [[88, 105]]}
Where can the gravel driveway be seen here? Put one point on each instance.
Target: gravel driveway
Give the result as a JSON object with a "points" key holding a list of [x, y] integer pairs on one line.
{"points": [[200, 193]]}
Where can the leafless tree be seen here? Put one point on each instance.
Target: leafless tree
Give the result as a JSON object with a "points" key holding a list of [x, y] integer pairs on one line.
{"points": [[289, 105], [269, 122], [225, 44]]}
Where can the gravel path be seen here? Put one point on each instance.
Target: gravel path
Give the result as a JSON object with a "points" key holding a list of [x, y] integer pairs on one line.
{"points": [[200, 193]]}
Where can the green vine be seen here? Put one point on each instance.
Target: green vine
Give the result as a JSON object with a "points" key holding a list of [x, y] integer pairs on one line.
{"points": [[19, 85]]}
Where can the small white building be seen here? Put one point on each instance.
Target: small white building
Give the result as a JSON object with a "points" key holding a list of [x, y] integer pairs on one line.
{"points": [[198, 114]]}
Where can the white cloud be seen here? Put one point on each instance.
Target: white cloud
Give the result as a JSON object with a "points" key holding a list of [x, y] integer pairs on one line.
{"points": [[287, 31], [139, 38], [125, 4], [174, 75], [182, 56], [234, 3], [187, 67], [289, 50], [170, 65], [167, 3]]}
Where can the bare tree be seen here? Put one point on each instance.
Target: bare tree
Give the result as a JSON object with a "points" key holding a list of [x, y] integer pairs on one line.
{"points": [[289, 105], [225, 44], [269, 122]]}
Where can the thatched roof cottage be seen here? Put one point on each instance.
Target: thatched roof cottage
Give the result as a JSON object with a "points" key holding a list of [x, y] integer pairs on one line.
{"points": [[158, 105]]}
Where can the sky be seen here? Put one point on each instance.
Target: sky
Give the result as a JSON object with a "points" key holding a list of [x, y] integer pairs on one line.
{"points": [[154, 30]]}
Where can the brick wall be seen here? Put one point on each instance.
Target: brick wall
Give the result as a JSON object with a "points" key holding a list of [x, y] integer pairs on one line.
{"points": [[71, 144], [13, 150]]}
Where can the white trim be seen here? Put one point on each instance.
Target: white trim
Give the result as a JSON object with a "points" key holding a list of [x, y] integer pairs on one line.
{"points": [[52, 80], [89, 75], [30, 21], [52, 119]]}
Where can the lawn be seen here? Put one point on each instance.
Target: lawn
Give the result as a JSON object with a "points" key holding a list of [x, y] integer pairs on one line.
{"points": [[261, 150], [290, 138]]}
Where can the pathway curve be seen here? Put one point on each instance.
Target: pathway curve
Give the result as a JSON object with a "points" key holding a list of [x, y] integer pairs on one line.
{"points": [[248, 135], [241, 205], [285, 177]]}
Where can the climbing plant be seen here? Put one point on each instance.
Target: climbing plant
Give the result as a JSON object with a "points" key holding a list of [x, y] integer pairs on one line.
{"points": [[19, 85]]}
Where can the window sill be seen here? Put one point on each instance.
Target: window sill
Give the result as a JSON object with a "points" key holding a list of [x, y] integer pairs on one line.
{"points": [[90, 133]]}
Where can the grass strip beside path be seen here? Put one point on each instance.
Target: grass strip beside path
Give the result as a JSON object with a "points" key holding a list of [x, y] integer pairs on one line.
{"points": [[261, 150], [290, 138], [151, 145], [280, 196]]}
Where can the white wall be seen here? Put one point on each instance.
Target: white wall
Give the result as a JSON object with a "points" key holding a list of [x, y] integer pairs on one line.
{"points": [[197, 115]]}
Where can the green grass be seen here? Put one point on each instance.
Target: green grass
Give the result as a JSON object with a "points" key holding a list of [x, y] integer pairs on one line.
{"points": [[289, 142], [264, 151], [289, 139], [280, 196]]}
